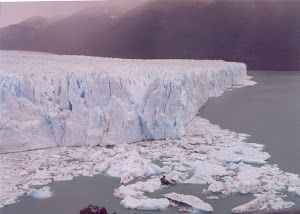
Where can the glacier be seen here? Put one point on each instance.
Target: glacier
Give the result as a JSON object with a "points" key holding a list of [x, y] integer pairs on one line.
{"points": [[48, 100], [61, 101]]}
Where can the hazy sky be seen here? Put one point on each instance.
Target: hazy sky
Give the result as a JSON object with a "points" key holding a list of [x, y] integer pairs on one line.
{"points": [[14, 12]]}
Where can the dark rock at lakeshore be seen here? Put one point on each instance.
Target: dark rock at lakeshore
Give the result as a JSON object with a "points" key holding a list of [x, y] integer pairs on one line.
{"points": [[94, 210]]}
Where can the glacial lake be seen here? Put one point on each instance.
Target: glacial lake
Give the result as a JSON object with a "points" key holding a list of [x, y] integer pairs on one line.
{"points": [[268, 111]]}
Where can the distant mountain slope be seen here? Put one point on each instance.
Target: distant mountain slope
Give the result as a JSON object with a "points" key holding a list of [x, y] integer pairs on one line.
{"points": [[73, 34], [69, 35], [265, 34], [21, 36], [66, 36]]}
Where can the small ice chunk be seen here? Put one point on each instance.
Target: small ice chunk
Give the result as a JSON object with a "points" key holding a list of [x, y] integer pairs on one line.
{"points": [[154, 169], [41, 193], [126, 178], [206, 168], [124, 191], [42, 175], [101, 166], [96, 154], [187, 146], [63, 178], [232, 166], [256, 145], [249, 186], [212, 197], [190, 200], [250, 173], [217, 186], [180, 168], [146, 186], [132, 164], [251, 206], [242, 154], [174, 176], [166, 180], [145, 203], [204, 172], [203, 149], [209, 140], [198, 156], [295, 189], [294, 180]]}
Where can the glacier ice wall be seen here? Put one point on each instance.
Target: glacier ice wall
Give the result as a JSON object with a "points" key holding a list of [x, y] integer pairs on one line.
{"points": [[49, 100]]}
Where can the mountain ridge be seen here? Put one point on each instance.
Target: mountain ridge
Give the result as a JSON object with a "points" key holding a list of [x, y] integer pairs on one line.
{"points": [[265, 34]]}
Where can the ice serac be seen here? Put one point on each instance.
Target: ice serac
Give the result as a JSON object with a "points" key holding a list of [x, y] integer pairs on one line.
{"points": [[50, 100]]}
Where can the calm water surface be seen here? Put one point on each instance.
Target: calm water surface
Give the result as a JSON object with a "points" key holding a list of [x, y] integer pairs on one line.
{"points": [[268, 111]]}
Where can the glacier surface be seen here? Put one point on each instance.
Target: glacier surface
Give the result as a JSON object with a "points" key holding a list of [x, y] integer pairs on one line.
{"points": [[49, 100]]}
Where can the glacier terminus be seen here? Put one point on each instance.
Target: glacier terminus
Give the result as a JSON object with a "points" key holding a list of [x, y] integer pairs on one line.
{"points": [[49, 100]]}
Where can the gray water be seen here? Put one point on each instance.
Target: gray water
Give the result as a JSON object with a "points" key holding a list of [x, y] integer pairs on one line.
{"points": [[268, 111]]}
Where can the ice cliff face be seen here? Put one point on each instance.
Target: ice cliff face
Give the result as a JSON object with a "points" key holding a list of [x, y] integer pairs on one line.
{"points": [[50, 100]]}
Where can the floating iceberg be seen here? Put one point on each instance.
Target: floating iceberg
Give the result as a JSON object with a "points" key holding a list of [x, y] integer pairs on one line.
{"points": [[196, 203], [251, 206], [145, 203], [204, 172], [41, 193], [125, 191], [247, 155]]}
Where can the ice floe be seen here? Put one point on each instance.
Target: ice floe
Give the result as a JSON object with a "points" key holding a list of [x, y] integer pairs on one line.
{"points": [[251, 206], [146, 186], [242, 154], [196, 203], [42, 193], [125, 191], [145, 203]]}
